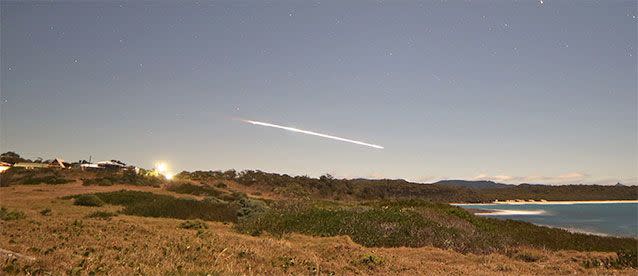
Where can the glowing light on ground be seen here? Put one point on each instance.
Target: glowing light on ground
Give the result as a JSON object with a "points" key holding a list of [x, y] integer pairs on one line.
{"points": [[313, 133], [162, 168]]}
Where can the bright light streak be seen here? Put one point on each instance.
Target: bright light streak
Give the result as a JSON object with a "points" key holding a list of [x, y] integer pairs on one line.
{"points": [[313, 133]]}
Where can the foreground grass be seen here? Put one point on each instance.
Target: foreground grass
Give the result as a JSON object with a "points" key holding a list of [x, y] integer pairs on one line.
{"points": [[66, 241]]}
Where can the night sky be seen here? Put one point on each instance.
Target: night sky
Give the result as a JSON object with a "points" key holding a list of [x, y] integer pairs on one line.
{"points": [[512, 91]]}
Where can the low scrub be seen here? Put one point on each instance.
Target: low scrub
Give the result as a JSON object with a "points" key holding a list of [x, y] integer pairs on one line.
{"points": [[370, 261], [108, 178], [21, 176], [384, 227], [193, 224], [148, 204], [624, 258], [6, 214], [88, 200], [46, 212], [199, 190], [49, 179]]}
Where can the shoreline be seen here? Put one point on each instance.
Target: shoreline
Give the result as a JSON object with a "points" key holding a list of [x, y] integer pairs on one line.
{"points": [[566, 202]]}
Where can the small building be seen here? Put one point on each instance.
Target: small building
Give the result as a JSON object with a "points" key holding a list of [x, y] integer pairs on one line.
{"points": [[111, 164], [90, 166], [31, 165], [59, 163]]}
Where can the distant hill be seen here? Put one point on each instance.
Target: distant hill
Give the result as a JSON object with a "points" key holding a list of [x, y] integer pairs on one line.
{"points": [[482, 184]]}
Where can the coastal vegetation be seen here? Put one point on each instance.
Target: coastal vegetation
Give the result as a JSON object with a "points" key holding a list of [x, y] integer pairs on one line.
{"points": [[330, 188], [389, 223], [326, 187], [100, 216]]}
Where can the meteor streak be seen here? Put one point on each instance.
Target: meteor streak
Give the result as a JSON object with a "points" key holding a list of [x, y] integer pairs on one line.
{"points": [[312, 133]]}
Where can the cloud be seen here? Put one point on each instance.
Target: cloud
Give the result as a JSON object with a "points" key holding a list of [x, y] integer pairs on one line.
{"points": [[566, 178], [500, 178]]}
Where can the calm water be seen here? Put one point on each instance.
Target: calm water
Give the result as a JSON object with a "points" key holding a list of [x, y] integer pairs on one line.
{"points": [[615, 219]]}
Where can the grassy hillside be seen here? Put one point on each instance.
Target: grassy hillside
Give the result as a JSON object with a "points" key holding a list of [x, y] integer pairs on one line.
{"points": [[253, 222]]}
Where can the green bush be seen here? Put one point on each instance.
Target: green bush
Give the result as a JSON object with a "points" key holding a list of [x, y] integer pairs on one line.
{"points": [[526, 256], [6, 214], [46, 212], [221, 185], [250, 207], [624, 258], [627, 258], [187, 188], [193, 224], [148, 204], [370, 261], [49, 179], [385, 227], [128, 177], [88, 200]]}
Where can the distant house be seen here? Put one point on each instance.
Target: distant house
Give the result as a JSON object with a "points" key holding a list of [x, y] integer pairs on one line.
{"points": [[4, 166], [111, 164], [31, 165], [59, 163], [90, 166]]}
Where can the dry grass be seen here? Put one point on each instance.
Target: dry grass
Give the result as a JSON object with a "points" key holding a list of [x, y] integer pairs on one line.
{"points": [[66, 240]]}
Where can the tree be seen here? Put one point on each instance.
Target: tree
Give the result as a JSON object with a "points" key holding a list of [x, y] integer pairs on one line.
{"points": [[326, 177], [11, 157]]}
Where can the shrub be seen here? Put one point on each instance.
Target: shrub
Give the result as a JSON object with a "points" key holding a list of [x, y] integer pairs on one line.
{"points": [[101, 215], [46, 212], [624, 259], [88, 200], [627, 258], [187, 188], [234, 196], [6, 214], [108, 178], [49, 179], [148, 204], [221, 185], [527, 256], [250, 207], [370, 227], [193, 224], [370, 261]]}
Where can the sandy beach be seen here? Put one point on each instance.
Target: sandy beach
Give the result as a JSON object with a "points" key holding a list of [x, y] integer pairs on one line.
{"points": [[548, 202]]}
